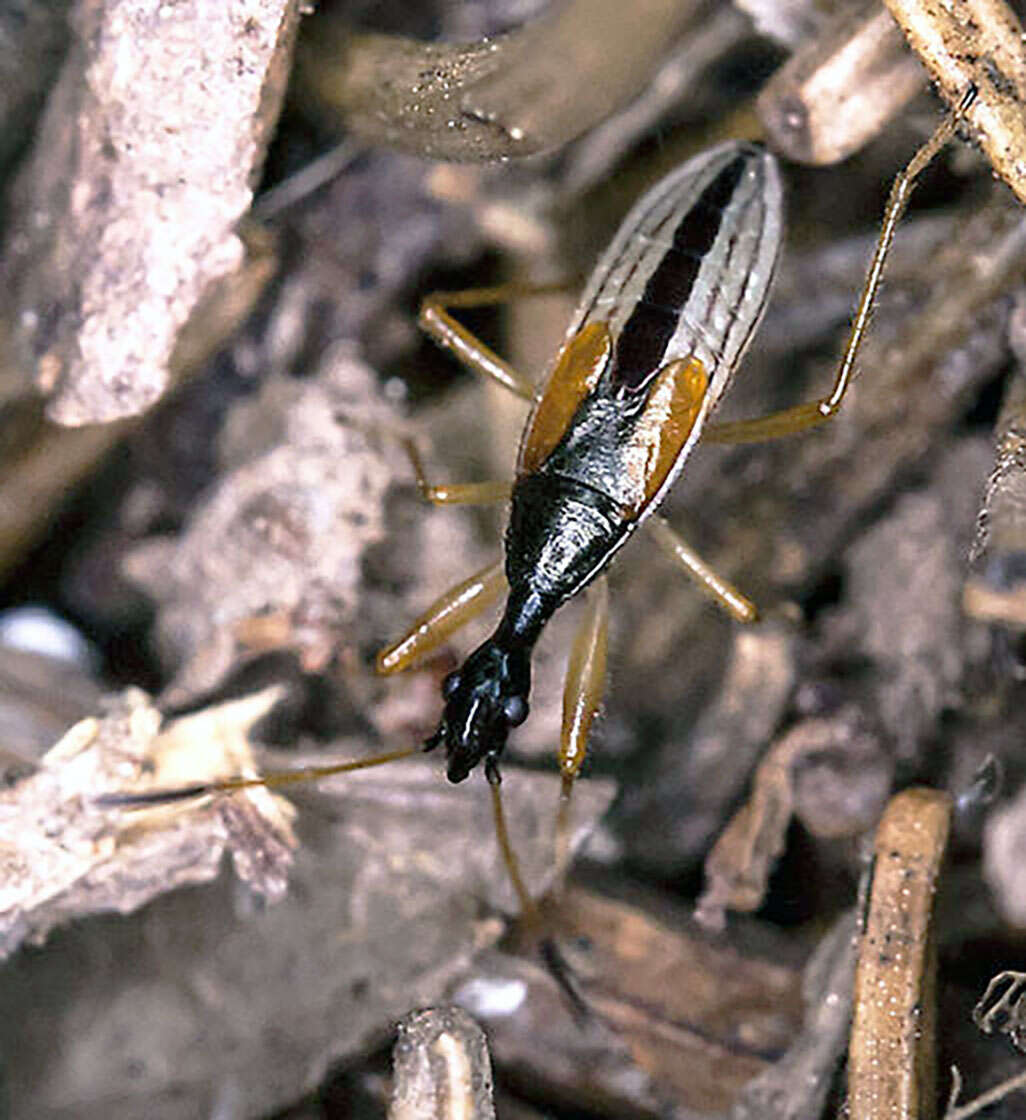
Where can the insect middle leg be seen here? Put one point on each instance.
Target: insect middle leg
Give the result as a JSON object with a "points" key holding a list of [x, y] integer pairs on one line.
{"points": [[436, 319], [789, 421], [733, 601]]}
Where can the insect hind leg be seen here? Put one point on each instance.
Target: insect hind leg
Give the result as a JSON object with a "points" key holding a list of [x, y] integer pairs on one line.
{"points": [[458, 493], [790, 421], [733, 601], [437, 320]]}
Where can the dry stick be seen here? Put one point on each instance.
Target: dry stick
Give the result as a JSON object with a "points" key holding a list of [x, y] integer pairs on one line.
{"points": [[441, 1068], [1002, 1007], [796, 1085], [996, 590], [95, 297], [677, 78], [314, 175], [891, 1056], [1006, 1013], [529, 91], [979, 43], [838, 91]]}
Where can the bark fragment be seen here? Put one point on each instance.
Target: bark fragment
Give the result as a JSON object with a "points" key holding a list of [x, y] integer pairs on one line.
{"points": [[125, 215]]}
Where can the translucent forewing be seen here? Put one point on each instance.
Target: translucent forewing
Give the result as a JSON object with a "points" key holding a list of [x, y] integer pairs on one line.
{"points": [[685, 280]]}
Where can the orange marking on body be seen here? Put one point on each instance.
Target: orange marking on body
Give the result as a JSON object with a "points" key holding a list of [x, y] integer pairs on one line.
{"points": [[574, 376], [673, 406]]}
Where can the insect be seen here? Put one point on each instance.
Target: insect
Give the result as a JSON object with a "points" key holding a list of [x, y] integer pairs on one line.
{"points": [[658, 333]]}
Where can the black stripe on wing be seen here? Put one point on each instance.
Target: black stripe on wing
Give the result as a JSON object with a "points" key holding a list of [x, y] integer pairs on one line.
{"points": [[652, 323]]}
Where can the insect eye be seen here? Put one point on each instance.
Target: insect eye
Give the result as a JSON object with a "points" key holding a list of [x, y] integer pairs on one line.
{"points": [[515, 710], [450, 684]]}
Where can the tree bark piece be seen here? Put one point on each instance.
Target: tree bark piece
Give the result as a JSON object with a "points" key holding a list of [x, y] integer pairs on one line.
{"points": [[839, 90], [979, 43], [441, 1067], [125, 214], [891, 1059]]}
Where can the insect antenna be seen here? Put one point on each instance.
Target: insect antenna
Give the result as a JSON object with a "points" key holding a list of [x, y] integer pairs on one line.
{"points": [[529, 911], [273, 778], [533, 925]]}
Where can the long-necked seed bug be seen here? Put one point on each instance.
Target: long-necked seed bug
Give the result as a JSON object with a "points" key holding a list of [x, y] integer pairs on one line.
{"points": [[657, 335]]}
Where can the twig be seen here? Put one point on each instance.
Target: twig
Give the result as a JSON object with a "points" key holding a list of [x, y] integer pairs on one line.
{"points": [[442, 1067], [891, 1056], [839, 90], [965, 43], [526, 92], [991, 1096], [996, 592]]}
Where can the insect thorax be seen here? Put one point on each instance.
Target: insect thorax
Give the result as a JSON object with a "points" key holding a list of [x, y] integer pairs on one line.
{"points": [[561, 534]]}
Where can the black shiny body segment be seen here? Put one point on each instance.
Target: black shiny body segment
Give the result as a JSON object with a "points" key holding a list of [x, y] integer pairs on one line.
{"points": [[568, 518], [562, 532], [572, 513]]}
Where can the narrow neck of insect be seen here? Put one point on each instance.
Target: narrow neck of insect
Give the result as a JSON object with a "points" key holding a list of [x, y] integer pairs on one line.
{"points": [[523, 620]]}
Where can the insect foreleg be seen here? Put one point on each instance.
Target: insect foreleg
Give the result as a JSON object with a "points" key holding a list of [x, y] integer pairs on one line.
{"points": [[529, 913], [582, 695], [445, 615]]}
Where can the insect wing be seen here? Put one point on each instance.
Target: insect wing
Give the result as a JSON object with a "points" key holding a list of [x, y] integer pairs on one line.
{"points": [[579, 365], [689, 271], [660, 328]]}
